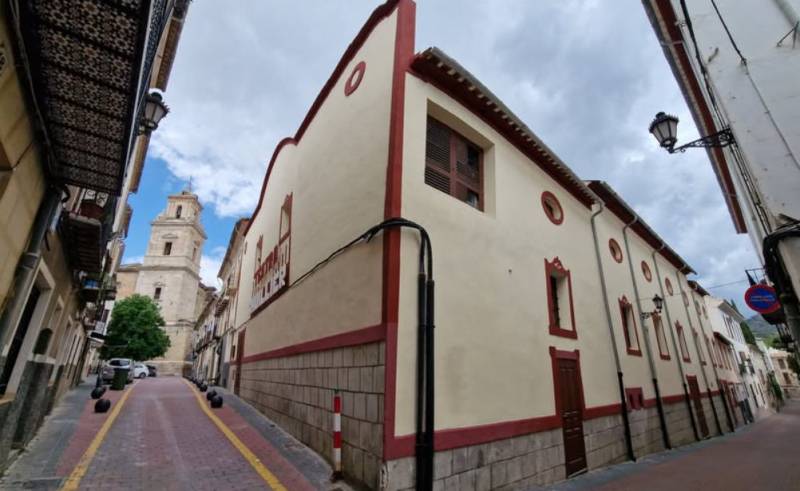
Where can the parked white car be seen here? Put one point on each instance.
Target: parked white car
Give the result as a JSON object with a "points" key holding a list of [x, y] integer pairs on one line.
{"points": [[140, 370], [108, 368]]}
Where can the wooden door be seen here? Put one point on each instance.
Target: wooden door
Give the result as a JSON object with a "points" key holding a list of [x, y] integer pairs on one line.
{"points": [[569, 394], [731, 401], [239, 356], [697, 402]]}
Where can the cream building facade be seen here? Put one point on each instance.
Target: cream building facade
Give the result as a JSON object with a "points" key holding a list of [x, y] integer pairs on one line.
{"points": [[786, 377], [550, 355], [170, 275]]}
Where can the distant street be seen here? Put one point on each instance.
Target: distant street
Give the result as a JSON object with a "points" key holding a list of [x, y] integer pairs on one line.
{"points": [[163, 438], [759, 457]]}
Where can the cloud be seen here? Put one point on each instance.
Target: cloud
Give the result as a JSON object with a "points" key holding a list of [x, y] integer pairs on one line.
{"points": [[133, 260], [586, 76], [209, 267]]}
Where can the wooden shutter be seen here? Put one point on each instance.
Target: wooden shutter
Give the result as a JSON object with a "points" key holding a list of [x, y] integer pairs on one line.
{"points": [[437, 156]]}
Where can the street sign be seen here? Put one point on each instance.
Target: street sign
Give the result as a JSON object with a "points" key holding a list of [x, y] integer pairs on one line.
{"points": [[762, 298]]}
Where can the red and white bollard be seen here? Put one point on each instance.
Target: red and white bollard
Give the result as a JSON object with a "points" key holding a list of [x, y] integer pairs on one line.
{"points": [[337, 435]]}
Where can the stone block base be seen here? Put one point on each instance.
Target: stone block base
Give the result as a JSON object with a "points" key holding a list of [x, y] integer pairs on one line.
{"points": [[297, 393]]}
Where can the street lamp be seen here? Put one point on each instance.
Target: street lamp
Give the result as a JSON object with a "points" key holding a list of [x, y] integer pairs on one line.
{"points": [[659, 303], [665, 130], [154, 112]]}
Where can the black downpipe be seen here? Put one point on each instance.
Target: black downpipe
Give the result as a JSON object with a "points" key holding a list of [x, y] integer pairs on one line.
{"points": [[661, 418], [427, 485], [689, 407], [625, 422], [421, 461]]}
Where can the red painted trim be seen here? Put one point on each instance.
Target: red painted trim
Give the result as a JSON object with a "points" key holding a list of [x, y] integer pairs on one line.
{"points": [[555, 355], [547, 196], [556, 268], [366, 335], [602, 411], [350, 85], [625, 305], [658, 329], [616, 250], [668, 286], [403, 55], [377, 16], [635, 398], [648, 275], [682, 342]]}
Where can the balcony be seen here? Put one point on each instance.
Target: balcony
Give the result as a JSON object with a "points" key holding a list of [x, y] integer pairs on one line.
{"points": [[85, 233], [90, 68], [90, 289]]}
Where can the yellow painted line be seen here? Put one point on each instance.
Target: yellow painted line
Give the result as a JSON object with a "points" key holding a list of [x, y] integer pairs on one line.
{"points": [[74, 479], [254, 461]]}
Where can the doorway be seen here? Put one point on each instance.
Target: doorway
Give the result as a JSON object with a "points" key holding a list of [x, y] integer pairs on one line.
{"points": [[569, 408], [697, 403], [19, 337]]}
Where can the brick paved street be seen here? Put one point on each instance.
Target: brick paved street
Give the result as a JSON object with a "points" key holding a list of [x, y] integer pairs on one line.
{"points": [[763, 456], [163, 439]]}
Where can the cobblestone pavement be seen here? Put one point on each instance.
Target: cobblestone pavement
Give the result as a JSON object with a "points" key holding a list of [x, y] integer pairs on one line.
{"points": [[762, 456], [163, 440]]}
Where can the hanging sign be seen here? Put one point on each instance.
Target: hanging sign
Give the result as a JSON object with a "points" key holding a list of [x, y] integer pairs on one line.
{"points": [[762, 298]]}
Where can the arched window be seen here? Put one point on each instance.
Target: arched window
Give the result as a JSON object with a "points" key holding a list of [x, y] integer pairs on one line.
{"points": [[178, 211]]}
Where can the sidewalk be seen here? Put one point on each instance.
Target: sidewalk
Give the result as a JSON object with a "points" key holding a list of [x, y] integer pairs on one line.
{"points": [[164, 437]]}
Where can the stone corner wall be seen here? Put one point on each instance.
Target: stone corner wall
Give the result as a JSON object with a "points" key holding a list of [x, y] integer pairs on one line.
{"points": [[296, 392], [528, 460]]}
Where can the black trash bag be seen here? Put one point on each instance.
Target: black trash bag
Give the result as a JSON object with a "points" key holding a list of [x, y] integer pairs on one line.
{"points": [[216, 401], [102, 405]]}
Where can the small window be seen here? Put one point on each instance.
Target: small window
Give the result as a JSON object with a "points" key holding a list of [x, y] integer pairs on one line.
{"points": [[699, 349], [646, 271], [682, 342], [552, 208], [194, 253], [629, 327], [559, 299], [781, 363], [616, 251], [167, 248], [661, 338], [453, 164], [178, 211], [157, 293], [668, 285], [685, 299]]}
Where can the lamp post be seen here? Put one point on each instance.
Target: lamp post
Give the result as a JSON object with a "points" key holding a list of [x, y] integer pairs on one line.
{"points": [[154, 112], [665, 130], [658, 302]]}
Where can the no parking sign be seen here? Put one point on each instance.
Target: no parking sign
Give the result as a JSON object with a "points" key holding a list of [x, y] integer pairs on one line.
{"points": [[762, 298]]}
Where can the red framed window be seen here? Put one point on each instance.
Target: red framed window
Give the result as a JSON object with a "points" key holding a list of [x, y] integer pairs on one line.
{"points": [[629, 327], [552, 208], [648, 275], [453, 164], [661, 338], [700, 354], [616, 250], [634, 398], [560, 309], [668, 285], [682, 342]]}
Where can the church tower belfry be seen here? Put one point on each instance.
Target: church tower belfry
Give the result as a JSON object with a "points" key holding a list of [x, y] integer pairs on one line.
{"points": [[170, 274]]}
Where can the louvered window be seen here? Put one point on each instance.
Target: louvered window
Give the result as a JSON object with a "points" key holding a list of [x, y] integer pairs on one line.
{"points": [[453, 164]]}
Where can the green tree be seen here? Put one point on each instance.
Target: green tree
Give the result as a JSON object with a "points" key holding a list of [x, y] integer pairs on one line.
{"points": [[135, 330], [748, 334]]}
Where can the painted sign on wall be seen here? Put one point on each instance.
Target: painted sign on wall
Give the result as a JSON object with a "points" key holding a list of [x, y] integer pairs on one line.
{"points": [[762, 298], [271, 276]]}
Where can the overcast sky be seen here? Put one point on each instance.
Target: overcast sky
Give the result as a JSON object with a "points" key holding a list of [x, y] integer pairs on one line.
{"points": [[586, 76]]}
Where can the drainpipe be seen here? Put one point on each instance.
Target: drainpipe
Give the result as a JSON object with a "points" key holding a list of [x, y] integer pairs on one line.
{"points": [[675, 344], [29, 263], [710, 355], [622, 398], [659, 404], [702, 370]]}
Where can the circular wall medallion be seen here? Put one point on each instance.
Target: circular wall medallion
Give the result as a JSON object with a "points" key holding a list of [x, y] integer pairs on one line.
{"points": [[552, 208], [668, 285], [355, 78], [646, 271], [616, 251]]}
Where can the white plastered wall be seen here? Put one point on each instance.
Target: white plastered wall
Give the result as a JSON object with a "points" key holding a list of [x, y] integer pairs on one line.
{"points": [[337, 177]]}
